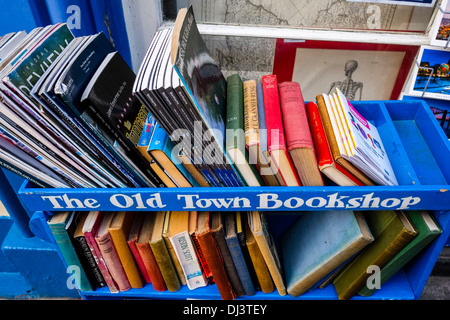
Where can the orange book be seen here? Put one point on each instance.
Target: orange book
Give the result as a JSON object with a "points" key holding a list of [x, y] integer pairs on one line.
{"points": [[119, 229]]}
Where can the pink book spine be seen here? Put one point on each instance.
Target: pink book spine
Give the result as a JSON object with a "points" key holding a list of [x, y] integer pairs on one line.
{"points": [[295, 118], [112, 260], [274, 120], [90, 239]]}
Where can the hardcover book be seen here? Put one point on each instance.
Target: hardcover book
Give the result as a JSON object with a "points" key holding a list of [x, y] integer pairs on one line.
{"points": [[62, 226], [275, 133], [161, 253], [392, 232], [119, 230], [267, 246], [318, 243], [109, 253], [298, 134], [235, 140], [132, 239], [326, 163], [213, 256]]}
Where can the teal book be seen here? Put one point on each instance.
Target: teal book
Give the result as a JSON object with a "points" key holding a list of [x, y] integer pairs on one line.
{"points": [[231, 238], [160, 149], [62, 225], [428, 229], [318, 243]]}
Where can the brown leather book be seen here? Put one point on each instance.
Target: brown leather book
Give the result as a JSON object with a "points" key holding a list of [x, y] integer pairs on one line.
{"points": [[213, 256]]}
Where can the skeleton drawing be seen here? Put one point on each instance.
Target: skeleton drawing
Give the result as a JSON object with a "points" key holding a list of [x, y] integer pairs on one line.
{"points": [[349, 87]]}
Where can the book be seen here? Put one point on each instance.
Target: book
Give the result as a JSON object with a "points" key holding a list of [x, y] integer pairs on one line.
{"points": [[235, 140], [231, 237], [119, 230], [428, 230], [366, 149], [171, 250], [319, 242], [184, 249], [143, 246], [62, 226], [219, 233], [109, 98], [275, 133], [161, 150], [213, 256], [267, 246], [326, 163], [331, 129], [193, 219], [392, 232], [261, 270], [109, 253], [86, 256], [298, 134], [266, 165], [206, 86], [90, 229], [162, 255], [132, 239]]}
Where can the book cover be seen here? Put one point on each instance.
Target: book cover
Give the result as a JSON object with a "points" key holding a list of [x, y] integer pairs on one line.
{"points": [[319, 242], [213, 256], [205, 84], [235, 140], [298, 134], [261, 270], [171, 250], [331, 131], [90, 229], [185, 250], [326, 163], [162, 255], [85, 254], [428, 230], [237, 255], [109, 253], [217, 225], [392, 232], [62, 226], [267, 246], [119, 230], [275, 132], [150, 264], [132, 239]]}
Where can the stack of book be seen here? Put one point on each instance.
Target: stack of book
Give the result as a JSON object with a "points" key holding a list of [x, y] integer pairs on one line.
{"points": [[68, 117]]}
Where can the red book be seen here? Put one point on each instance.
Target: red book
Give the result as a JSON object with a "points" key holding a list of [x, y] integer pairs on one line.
{"points": [[132, 239], [327, 165], [275, 132], [298, 135], [149, 263], [109, 253], [90, 229], [213, 257]]}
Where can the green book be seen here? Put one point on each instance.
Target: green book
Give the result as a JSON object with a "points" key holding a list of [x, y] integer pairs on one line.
{"points": [[428, 230], [392, 231], [62, 225], [235, 133]]}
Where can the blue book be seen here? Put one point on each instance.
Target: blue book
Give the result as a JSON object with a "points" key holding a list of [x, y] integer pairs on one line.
{"points": [[318, 243], [160, 149], [237, 255]]}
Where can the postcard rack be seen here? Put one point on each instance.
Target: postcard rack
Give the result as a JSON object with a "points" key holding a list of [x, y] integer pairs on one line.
{"points": [[419, 153]]}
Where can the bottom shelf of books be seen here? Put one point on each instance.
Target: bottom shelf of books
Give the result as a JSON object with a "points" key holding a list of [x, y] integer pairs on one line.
{"points": [[325, 255]]}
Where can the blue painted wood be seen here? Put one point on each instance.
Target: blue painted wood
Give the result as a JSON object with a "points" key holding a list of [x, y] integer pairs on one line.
{"points": [[16, 16], [40, 12]]}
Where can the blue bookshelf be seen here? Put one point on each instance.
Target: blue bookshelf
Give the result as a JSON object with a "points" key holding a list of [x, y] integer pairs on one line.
{"points": [[418, 150]]}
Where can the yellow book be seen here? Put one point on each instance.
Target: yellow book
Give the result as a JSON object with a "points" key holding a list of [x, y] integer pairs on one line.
{"points": [[171, 250], [119, 229]]}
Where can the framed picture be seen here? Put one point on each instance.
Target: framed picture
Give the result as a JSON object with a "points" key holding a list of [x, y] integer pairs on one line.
{"points": [[363, 71], [441, 30], [431, 75]]}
